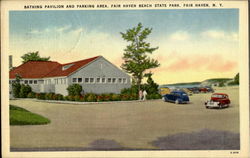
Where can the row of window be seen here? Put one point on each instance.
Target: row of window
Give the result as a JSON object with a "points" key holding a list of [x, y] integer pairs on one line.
{"points": [[25, 81], [55, 81], [99, 80]]}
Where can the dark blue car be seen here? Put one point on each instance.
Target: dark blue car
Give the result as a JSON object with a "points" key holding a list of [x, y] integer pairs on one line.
{"points": [[177, 97]]}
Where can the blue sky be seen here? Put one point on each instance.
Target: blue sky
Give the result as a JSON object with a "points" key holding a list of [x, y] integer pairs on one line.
{"points": [[66, 36]]}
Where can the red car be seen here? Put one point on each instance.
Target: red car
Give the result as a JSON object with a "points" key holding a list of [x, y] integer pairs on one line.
{"points": [[218, 100]]}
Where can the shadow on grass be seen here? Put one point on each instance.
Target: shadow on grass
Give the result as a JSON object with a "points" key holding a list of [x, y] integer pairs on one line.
{"points": [[203, 140]]}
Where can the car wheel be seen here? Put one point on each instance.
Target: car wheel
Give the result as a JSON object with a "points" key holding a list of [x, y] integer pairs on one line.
{"points": [[177, 101], [207, 107]]}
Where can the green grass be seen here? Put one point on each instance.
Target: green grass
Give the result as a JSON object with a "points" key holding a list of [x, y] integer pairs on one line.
{"points": [[20, 116]]}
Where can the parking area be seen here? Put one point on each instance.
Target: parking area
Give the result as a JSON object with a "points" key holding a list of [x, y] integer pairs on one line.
{"points": [[131, 124]]}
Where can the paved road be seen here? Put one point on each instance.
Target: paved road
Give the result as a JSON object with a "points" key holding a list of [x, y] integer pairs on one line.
{"points": [[131, 125]]}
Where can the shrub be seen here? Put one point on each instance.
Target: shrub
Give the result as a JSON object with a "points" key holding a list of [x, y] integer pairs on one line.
{"points": [[59, 97], [31, 95], [99, 98], [24, 91], [49, 96], [91, 97], [115, 97], [74, 89], [40, 96], [77, 98], [16, 89]]}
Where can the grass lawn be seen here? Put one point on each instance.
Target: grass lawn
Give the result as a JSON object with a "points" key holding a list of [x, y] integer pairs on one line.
{"points": [[20, 116]]}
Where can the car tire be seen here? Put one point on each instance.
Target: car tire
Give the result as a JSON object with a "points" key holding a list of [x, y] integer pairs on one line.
{"points": [[207, 107], [177, 101]]}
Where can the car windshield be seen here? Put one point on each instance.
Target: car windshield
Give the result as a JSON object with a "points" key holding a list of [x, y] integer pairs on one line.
{"points": [[218, 96]]}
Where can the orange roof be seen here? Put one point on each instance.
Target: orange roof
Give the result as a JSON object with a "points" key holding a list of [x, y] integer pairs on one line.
{"points": [[58, 71], [43, 69]]}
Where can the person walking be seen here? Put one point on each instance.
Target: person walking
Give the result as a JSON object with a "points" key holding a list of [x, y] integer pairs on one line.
{"points": [[144, 95], [140, 95]]}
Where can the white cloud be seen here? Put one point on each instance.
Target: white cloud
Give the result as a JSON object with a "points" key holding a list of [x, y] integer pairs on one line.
{"points": [[180, 36], [221, 35], [63, 28]]}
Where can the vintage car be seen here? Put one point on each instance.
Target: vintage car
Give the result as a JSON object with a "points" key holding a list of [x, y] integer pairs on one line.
{"points": [[218, 100], [177, 97]]}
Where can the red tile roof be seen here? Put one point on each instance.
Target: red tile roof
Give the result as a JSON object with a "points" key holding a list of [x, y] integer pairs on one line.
{"points": [[43, 69], [58, 71]]}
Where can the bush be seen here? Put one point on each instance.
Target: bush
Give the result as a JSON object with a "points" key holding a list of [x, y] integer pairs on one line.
{"points": [[31, 95], [154, 96], [115, 97], [24, 91], [49, 96], [16, 89], [40, 96], [74, 89], [91, 97]]}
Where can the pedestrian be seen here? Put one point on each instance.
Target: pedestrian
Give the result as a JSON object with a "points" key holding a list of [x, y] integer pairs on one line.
{"points": [[144, 95], [140, 95]]}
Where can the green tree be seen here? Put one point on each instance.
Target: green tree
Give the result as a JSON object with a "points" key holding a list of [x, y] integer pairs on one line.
{"points": [[136, 59], [16, 86], [236, 78], [151, 86], [33, 56], [74, 89]]}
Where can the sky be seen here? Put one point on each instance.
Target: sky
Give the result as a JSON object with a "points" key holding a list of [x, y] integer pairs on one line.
{"points": [[194, 44]]}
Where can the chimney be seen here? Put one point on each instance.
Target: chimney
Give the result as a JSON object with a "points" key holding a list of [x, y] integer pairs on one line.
{"points": [[10, 62]]}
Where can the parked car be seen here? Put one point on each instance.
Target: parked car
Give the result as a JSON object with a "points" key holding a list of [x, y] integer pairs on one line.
{"points": [[177, 97], [203, 90], [218, 100]]}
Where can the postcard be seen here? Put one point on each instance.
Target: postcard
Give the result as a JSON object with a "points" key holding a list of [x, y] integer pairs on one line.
{"points": [[125, 79]]}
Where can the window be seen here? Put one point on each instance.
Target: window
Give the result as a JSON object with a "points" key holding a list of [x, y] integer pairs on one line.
{"points": [[74, 80], [103, 80], [30, 81], [79, 80], [113, 80], [124, 80], [98, 80], [67, 66], [86, 80], [26, 81], [91, 80], [35, 81], [109, 80], [120, 80]]}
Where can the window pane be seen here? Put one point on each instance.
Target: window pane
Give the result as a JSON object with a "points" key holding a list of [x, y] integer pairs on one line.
{"points": [[98, 80], [74, 80], [109, 80], [124, 80], [113, 80], [120, 80], [79, 80], [26, 81], [30, 81], [103, 80], [91, 80], [35, 81], [86, 80]]}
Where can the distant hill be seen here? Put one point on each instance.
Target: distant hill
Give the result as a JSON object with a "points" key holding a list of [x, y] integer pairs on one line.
{"points": [[205, 82]]}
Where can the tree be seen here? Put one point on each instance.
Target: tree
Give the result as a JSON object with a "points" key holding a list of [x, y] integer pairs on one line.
{"points": [[152, 87], [74, 89], [33, 56], [16, 86], [236, 78], [136, 59]]}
